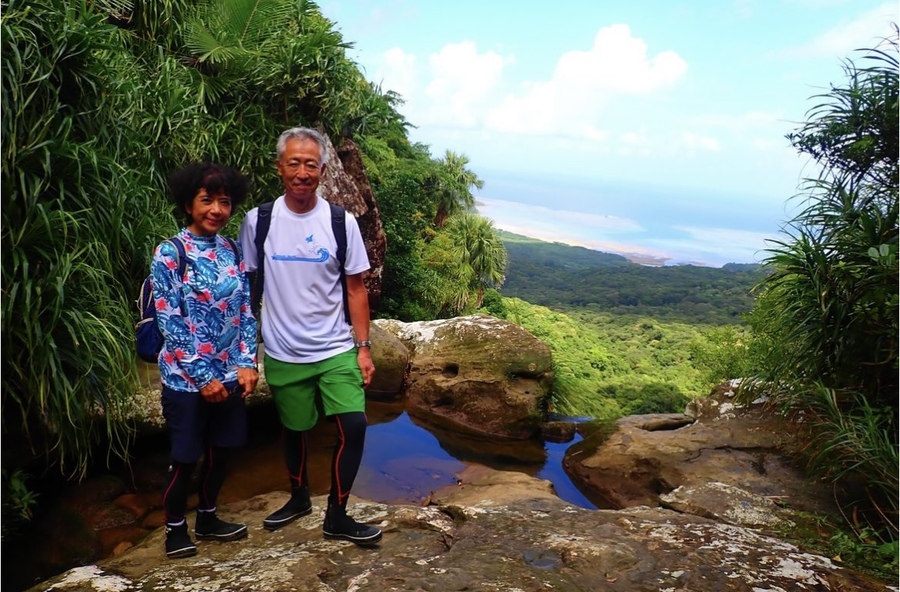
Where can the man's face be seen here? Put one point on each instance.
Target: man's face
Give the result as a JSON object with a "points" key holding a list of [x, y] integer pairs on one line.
{"points": [[300, 168]]}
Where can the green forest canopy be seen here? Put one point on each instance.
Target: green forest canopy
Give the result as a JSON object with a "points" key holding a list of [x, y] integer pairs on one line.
{"points": [[566, 277]]}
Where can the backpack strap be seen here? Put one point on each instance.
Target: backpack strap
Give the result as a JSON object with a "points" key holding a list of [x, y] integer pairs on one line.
{"points": [[234, 247], [339, 229], [263, 221], [182, 255], [182, 262]]}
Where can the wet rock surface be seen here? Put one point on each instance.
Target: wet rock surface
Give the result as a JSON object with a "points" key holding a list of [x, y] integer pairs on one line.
{"points": [[643, 457], [520, 537]]}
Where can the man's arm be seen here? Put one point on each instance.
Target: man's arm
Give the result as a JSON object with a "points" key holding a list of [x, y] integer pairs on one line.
{"points": [[358, 302]]}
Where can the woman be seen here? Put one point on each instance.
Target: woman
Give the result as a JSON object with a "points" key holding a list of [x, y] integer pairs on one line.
{"points": [[208, 361]]}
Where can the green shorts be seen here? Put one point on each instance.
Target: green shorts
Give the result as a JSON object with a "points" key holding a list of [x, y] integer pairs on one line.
{"points": [[294, 388]]}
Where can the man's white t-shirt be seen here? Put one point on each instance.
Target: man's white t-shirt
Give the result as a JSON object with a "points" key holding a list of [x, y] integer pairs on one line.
{"points": [[303, 306]]}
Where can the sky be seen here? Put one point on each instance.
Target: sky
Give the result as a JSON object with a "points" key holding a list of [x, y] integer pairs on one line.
{"points": [[650, 128]]}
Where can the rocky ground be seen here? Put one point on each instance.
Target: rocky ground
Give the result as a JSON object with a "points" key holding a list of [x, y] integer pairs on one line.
{"points": [[493, 531]]}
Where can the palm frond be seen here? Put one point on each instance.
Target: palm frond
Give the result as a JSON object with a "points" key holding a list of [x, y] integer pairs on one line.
{"points": [[224, 31]]}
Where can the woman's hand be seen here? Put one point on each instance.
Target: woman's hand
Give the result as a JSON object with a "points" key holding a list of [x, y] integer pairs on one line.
{"points": [[247, 379], [214, 392]]}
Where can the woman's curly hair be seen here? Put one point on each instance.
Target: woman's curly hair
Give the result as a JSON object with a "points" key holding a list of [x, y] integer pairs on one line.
{"points": [[215, 178]]}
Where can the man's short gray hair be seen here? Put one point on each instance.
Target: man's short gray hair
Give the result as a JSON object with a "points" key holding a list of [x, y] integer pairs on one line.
{"points": [[303, 133]]}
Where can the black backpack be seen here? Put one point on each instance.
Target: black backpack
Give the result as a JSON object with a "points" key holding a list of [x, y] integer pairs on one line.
{"points": [[264, 220], [148, 339]]}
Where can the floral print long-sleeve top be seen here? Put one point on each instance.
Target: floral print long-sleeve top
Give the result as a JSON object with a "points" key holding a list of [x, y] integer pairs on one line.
{"points": [[205, 316]]}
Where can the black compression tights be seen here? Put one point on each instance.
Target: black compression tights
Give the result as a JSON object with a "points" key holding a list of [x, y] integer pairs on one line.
{"points": [[351, 438], [175, 494], [212, 475], [294, 446], [178, 479], [348, 451]]}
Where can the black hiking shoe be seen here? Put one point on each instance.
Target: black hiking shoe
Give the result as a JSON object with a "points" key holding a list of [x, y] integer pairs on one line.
{"points": [[344, 527], [178, 542], [210, 527], [299, 505]]}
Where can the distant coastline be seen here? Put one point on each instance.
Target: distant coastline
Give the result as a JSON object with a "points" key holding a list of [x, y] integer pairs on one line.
{"points": [[646, 237], [639, 258], [647, 260]]}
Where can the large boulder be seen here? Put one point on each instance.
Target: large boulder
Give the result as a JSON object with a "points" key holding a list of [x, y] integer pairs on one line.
{"points": [[476, 375], [368, 216], [717, 454], [391, 359], [345, 183], [493, 531]]}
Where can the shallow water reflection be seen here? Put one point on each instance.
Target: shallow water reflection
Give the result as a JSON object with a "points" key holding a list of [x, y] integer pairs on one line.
{"points": [[404, 461]]}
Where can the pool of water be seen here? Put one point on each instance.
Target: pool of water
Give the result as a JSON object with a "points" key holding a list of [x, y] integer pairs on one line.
{"points": [[404, 460]]}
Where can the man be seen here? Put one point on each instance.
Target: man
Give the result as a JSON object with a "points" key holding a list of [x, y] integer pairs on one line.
{"points": [[309, 347]]}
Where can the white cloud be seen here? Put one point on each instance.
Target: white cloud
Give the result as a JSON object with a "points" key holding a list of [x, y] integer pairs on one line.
{"points": [[535, 112], [741, 121], [758, 130], [867, 30], [576, 97], [461, 87], [634, 142], [635, 138], [462, 80], [594, 134], [618, 62], [397, 72]]}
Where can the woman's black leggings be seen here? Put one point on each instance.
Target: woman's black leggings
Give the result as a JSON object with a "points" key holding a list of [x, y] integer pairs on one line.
{"points": [[178, 479]]}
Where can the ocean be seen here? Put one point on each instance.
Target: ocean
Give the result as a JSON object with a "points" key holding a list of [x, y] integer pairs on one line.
{"points": [[647, 223]]}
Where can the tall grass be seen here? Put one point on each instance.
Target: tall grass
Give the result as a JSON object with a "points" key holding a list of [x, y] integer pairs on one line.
{"points": [[855, 443], [69, 234], [826, 322]]}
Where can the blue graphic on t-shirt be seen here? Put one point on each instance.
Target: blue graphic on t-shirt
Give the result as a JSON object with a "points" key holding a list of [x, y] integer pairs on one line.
{"points": [[322, 257], [315, 253]]}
